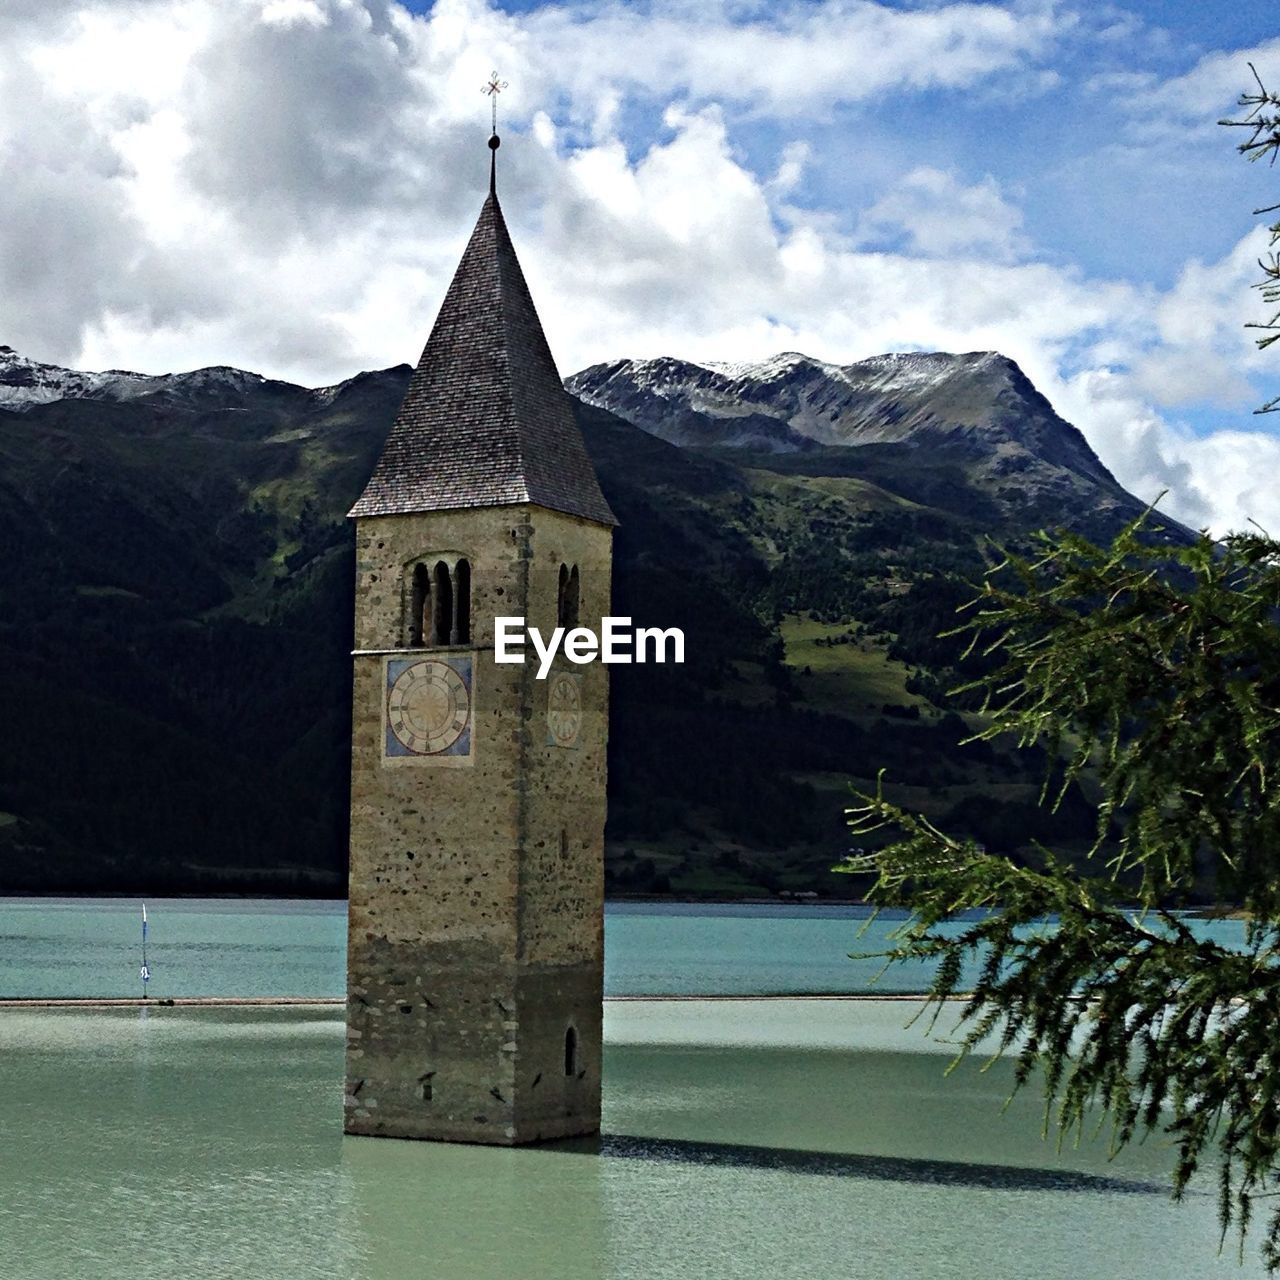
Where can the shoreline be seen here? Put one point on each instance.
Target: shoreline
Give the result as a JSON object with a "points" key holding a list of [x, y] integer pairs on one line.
{"points": [[231, 1002], [158, 1002], [650, 899]]}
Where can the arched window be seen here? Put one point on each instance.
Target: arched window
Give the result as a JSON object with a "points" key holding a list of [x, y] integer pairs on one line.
{"points": [[420, 608], [567, 598], [571, 1052], [462, 611], [438, 603], [443, 612], [571, 599]]}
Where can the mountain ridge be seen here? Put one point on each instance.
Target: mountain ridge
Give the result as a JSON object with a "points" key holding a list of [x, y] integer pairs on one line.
{"points": [[978, 404], [175, 631], [789, 402], [25, 383]]}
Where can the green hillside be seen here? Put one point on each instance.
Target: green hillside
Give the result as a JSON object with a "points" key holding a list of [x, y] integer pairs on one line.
{"points": [[175, 625]]}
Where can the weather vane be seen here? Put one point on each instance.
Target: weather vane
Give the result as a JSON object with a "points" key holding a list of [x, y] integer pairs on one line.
{"points": [[493, 87]]}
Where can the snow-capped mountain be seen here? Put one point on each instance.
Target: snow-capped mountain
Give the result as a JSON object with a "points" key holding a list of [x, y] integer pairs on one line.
{"points": [[979, 407], [25, 382], [977, 413]]}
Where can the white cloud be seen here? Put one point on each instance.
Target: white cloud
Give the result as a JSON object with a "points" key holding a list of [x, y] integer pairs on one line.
{"points": [[791, 59], [936, 214], [286, 185], [1236, 471], [195, 161], [285, 13], [1214, 84], [791, 168], [1188, 107]]}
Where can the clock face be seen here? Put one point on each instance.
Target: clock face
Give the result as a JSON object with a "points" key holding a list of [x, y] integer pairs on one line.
{"points": [[428, 708], [564, 709]]}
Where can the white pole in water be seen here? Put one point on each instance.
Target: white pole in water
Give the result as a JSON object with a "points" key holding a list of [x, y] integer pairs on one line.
{"points": [[146, 973]]}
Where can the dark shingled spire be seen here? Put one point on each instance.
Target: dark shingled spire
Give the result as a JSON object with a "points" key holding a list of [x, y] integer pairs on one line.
{"points": [[486, 421]]}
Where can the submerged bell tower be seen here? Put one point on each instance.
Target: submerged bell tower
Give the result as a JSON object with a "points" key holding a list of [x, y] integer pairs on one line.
{"points": [[475, 942]]}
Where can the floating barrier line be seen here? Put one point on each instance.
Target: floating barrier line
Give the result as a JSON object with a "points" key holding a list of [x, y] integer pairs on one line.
{"points": [[219, 1002], [137, 1002]]}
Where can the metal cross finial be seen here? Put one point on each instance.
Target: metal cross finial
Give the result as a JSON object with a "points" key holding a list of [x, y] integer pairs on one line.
{"points": [[493, 88]]}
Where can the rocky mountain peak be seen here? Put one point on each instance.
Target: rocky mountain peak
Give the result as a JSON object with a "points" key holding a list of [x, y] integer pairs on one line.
{"points": [[25, 382], [978, 405]]}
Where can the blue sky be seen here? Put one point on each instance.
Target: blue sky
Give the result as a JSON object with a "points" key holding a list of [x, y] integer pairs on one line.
{"points": [[285, 185], [1093, 189]]}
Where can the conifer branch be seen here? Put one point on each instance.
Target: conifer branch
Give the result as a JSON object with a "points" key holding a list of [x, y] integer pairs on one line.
{"points": [[1156, 670]]}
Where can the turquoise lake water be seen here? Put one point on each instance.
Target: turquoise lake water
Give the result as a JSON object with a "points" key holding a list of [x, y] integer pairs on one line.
{"points": [[778, 1139], [813, 1139], [90, 947]]}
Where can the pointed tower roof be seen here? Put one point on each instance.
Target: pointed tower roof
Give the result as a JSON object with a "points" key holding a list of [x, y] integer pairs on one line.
{"points": [[486, 421]]}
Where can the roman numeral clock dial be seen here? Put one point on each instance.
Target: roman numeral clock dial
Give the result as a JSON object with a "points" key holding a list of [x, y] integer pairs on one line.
{"points": [[564, 709], [428, 710]]}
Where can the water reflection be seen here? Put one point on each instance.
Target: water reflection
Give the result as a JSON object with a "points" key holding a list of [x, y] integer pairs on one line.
{"points": [[434, 1209]]}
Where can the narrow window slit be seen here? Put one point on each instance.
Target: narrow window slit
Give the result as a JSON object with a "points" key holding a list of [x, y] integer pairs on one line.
{"points": [[571, 599], [442, 614], [420, 608], [462, 613]]}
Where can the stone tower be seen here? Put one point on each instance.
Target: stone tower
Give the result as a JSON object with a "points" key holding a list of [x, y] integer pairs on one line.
{"points": [[475, 954]]}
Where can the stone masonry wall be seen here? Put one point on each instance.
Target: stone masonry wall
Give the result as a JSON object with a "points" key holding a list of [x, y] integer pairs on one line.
{"points": [[476, 892]]}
